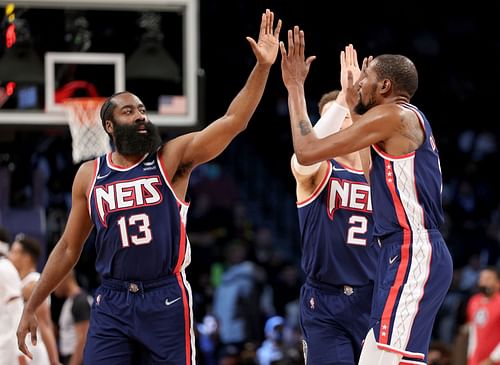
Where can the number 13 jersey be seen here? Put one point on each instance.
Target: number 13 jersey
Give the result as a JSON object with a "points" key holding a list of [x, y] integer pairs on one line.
{"points": [[140, 222]]}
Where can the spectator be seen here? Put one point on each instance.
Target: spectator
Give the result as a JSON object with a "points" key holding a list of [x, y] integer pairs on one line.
{"points": [[73, 320], [24, 254], [483, 315], [272, 349], [11, 306]]}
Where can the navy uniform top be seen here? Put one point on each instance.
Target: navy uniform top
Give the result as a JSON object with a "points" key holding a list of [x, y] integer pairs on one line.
{"points": [[407, 189], [336, 229], [140, 223]]}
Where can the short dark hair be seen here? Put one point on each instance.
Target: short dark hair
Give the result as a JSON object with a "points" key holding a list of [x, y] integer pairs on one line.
{"points": [[108, 108], [4, 235], [327, 97], [400, 70], [30, 245]]}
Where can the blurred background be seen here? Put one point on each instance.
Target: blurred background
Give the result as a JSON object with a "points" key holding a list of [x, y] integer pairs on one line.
{"points": [[243, 214]]}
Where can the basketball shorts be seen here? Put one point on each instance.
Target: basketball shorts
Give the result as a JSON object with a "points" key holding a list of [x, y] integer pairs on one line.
{"points": [[414, 275], [334, 321], [147, 322]]}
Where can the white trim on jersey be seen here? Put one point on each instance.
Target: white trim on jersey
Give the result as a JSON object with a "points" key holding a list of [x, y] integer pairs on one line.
{"points": [[112, 166], [191, 317], [319, 188], [90, 192], [420, 262], [167, 181], [386, 156], [187, 254]]}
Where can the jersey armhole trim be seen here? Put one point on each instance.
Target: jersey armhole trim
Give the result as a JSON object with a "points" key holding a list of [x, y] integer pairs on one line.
{"points": [[97, 162], [319, 188], [164, 173]]}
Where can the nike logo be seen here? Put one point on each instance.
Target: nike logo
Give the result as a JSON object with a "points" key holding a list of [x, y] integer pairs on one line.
{"points": [[172, 302], [98, 177], [392, 259], [337, 169], [149, 163]]}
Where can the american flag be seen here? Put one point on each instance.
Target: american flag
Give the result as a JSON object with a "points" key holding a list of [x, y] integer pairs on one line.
{"points": [[172, 104]]}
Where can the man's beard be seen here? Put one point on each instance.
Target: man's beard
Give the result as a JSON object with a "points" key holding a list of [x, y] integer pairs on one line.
{"points": [[361, 108], [486, 290], [130, 142]]}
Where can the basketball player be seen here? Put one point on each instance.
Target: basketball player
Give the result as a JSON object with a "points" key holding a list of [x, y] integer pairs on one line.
{"points": [[415, 266], [135, 198], [338, 254]]}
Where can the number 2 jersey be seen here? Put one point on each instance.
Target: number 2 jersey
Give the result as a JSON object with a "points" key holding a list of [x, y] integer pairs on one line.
{"points": [[139, 221], [336, 229]]}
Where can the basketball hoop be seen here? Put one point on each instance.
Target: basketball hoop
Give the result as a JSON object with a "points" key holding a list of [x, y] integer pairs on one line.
{"points": [[89, 138]]}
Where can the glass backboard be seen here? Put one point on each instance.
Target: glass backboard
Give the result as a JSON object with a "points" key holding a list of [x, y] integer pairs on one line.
{"points": [[51, 50]]}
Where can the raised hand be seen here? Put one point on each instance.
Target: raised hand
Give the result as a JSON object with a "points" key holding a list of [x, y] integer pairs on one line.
{"points": [[266, 48], [294, 66], [353, 78], [348, 63]]}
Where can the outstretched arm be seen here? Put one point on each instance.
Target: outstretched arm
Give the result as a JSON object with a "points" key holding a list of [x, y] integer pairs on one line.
{"points": [[62, 258], [202, 146]]}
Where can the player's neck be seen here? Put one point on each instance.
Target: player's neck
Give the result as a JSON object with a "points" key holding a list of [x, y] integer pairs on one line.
{"points": [[351, 160], [125, 160], [24, 271]]}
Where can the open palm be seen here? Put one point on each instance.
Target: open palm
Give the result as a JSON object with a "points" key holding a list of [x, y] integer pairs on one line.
{"points": [[266, 48]]}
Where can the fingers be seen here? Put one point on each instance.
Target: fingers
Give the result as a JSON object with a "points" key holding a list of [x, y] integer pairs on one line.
{"points": [[278, 29], [365, 63], [309, 60], [302, 43], [355, 56], [296, 45], [282, 51], [296, 42], [263, 25], [291, 45], [348, 54], [270, 21], [21, 341], [33, 334]]}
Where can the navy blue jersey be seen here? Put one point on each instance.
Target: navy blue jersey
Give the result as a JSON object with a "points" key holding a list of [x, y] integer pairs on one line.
{"points": [[407, 189], [416, 267], [336, 229], [140, 223]]}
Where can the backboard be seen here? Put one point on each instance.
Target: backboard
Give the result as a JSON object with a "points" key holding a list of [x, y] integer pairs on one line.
{"points": [[74, 48]]}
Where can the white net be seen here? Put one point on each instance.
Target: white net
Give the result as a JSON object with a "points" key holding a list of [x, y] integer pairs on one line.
{"points": [[89, 139]]}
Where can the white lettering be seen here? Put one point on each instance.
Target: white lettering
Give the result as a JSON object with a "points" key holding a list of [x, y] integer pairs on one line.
{"points": [[122, 195], [348, 195]]}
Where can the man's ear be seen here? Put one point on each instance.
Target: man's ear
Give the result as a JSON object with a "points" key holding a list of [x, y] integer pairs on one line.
{"points": [[109, 126], [386, 86]]}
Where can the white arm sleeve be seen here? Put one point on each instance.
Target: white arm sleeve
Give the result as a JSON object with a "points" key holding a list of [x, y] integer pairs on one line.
{"points": [[329, 123]]}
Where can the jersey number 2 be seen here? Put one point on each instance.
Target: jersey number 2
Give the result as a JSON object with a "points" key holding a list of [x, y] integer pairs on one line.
{"points": [[358, 225], [143, 226]]}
